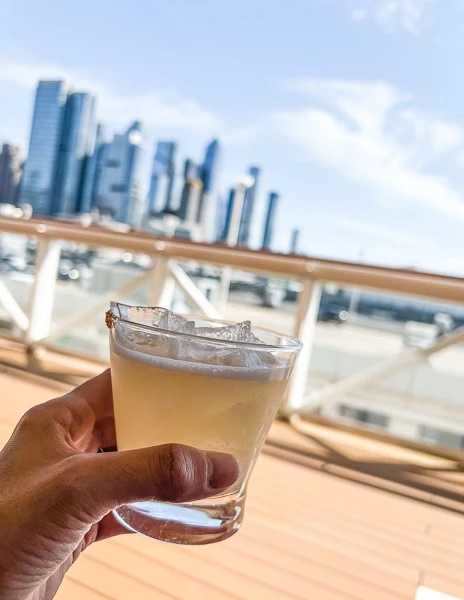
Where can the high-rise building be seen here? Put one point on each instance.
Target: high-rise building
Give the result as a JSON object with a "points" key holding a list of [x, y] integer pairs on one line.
{"points": [[162, 177], [38, 181], [76, 145], [10, 173], [294, 241], [191, 192], [207, 175], [93, 169], [228, 216], [120, 181], [248, 207], [270, 218]]}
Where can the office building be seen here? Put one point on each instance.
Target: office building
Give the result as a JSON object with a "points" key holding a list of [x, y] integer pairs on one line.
{"points": [[93, 169], [10, 173], [248, 208], [228, 216], [162, 177], [37, 186], [270, 219], [294, 241], [120, 180], [191, 192], [77, 144], [207, 176]]}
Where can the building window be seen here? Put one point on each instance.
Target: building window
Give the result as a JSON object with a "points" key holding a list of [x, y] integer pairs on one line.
{"points": [[113, 163], [118, 187], [364, 416], [441, 437]]}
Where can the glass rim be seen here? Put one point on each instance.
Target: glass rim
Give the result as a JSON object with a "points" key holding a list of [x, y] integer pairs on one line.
{"points": [[291, 344]]}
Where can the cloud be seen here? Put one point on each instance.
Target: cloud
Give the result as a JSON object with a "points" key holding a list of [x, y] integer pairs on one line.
{"points": [[359, 14], [156, 107], [409, 15], [371, 134]]}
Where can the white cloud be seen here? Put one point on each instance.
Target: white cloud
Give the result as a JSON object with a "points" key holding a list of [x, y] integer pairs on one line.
{"points": [[370, 133], [156, 107], [359, 14], [393, 14]]}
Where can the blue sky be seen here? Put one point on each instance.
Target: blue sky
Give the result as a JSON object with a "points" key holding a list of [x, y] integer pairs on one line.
{"points": [[353, 108]]}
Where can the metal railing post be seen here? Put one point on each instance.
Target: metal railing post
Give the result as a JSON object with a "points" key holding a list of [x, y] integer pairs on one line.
{"points": [[308, 308], [47, 260], [192, 291], [12, 308], [162, 287]]}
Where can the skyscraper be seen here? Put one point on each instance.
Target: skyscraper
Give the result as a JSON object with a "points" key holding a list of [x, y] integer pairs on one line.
{"points": [[294, 241], [191, 192], [270, 217], [162, 177], [120, 181], [248, 207], [92, 172], [228, 216], [38, 180], [207, 175], [76, 145], [10, 173]]}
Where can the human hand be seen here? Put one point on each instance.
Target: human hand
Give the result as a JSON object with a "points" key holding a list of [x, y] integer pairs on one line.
{"points": [[57, 492]]}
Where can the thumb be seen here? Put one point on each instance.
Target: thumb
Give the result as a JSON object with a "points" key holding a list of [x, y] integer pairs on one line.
{"points": [[170, 473]]}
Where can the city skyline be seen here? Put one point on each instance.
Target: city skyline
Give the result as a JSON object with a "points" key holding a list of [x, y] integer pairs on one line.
{"points": [[364, 146], [73, 169]]}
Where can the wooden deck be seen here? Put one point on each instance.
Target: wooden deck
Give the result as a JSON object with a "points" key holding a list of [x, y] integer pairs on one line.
{"points": [[326, 520]]}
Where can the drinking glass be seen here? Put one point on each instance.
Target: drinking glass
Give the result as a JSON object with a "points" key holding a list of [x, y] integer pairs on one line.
{"points": [[214, 394]]}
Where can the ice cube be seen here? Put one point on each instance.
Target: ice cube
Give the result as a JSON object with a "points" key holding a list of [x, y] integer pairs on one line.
{"points": [[154, 317], [241, 332]]}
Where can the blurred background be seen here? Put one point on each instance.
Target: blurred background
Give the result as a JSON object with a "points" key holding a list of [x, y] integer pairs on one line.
{"points": [[299, 165]]}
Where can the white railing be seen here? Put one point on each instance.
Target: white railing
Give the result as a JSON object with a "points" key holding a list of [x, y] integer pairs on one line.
{"points": [[167, 273]]}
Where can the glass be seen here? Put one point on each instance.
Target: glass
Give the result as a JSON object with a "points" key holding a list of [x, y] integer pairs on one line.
{"points": [[212, 394]]}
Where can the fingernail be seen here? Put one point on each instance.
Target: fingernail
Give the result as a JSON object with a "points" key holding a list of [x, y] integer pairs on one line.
{"points": [[224, 469]]}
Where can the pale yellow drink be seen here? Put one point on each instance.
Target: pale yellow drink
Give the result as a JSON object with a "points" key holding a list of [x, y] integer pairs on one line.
{"points": [[225, 409]]}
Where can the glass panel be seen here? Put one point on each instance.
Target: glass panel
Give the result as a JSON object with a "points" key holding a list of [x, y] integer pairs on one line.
{"points": [[359, 330]]}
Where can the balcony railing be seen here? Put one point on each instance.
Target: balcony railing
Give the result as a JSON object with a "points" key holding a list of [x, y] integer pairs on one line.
{"points": [[33, 321]]}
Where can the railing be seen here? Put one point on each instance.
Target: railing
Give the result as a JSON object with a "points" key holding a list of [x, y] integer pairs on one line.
{"points": [[167, 274]]}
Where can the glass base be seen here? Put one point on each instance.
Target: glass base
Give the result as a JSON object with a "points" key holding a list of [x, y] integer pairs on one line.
{"points": [[190, 523]]}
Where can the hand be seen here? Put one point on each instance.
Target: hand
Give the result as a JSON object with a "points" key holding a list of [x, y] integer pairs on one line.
{"points": [[57, 492]]}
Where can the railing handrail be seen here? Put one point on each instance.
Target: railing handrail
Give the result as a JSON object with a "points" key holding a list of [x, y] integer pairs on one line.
{"points": [[402, 281]]}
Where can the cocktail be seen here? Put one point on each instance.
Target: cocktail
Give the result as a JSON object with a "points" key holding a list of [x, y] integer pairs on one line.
{"points": [[201, 383]]}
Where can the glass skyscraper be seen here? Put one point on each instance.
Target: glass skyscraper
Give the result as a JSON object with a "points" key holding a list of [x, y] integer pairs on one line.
{"points": [[228, 216], [162, 177], [120, 180], [76, 145], [294, 241], [189, 193], [37, 186], [248, 208], [92, 172], [207, 174], [270, 217]]}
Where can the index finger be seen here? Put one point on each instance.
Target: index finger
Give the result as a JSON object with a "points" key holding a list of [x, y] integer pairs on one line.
{"points": [[98, 394]]}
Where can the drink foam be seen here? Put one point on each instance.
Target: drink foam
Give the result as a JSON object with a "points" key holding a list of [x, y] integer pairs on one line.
{"points": [[162, 357]]}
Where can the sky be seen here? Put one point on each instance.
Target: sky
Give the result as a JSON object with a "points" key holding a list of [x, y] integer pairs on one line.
{"points": [[354, 109]]}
